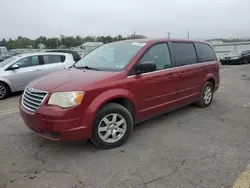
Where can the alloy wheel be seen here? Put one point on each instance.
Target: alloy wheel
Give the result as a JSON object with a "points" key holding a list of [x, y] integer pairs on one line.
{"points": [[2, 91], [112, 128], [207, 95]]}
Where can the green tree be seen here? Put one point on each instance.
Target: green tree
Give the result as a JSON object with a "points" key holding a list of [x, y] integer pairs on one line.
{"points": [[3, 42], [40, 40], [68, 41], [52, 43]]}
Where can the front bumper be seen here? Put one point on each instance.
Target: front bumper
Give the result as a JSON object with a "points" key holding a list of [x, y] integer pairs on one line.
{"points": [[230, 61], [54, 123]]}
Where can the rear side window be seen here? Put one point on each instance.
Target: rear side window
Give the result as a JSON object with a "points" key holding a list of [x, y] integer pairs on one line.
{"points": [[205, 52], [50, 59], [183, 53], [75, 55]]}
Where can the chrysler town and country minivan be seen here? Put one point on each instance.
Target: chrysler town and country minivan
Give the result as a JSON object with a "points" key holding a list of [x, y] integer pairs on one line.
{"points": [[118, 85]]}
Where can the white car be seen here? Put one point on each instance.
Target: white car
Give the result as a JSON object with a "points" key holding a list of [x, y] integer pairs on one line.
{"points": [[17, 71]]}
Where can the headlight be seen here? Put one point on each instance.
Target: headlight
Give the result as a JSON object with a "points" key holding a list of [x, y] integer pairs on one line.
{"points": [[235, 57], [66, 99]]}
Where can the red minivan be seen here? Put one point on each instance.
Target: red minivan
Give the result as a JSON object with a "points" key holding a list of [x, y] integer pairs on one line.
{"points": [[118, 85]]}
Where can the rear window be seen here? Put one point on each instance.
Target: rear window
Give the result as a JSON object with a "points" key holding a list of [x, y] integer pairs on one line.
{"points": [[183, 53], [50, 59], [75, 55], [205, 52]]}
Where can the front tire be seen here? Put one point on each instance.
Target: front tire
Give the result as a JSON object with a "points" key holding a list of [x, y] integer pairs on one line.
{"points": [[207, 95], [112, 126], [4, 91], [245, 62]]}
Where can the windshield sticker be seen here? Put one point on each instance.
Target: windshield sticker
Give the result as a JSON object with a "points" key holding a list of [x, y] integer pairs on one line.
{"points": [[119, 66], [139, 44]]}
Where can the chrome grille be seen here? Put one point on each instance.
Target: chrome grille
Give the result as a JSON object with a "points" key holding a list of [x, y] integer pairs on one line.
{"points": [[33, 98]]}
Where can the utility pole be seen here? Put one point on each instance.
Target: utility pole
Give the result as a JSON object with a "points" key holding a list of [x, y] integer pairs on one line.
{"points": [[169, 34], [61, 31], [57, 43], [188, 34]]}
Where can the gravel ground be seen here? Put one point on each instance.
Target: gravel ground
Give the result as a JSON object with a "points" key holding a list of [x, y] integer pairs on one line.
{"points": [[189, 148]]}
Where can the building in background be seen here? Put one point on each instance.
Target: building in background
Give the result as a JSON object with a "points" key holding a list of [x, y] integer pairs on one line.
{"points": [[214, 42], [41, 46], [86, 47], [3, 53], [91, 45]]}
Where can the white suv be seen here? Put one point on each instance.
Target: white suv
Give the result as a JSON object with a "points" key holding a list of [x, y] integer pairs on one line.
{"points": [[16, 72], [3, 53]]}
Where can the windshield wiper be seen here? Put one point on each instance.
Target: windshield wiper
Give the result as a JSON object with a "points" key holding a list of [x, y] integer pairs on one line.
{"points": [[72, 66], [87, 67]]}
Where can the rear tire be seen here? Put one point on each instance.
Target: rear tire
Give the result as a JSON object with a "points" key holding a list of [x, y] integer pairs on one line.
{"points": [[112, 126], [206, 95], [4, 91]]}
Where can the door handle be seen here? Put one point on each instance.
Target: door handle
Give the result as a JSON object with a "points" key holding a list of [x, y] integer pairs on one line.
{"points": [[181, 73], [38, 70], [172, 75]]}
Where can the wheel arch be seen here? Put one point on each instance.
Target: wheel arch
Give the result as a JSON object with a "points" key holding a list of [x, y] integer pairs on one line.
{"points": [[119, 96], [210, 78], [212, 81], [7, 83], [123, 101]]}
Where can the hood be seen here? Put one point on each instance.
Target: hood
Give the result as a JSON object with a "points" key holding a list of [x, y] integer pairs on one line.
{"points": [[231, 55], [69, 80]]}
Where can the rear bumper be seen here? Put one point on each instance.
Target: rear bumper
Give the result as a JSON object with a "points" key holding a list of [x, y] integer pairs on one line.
{"points": [[55, 124]]}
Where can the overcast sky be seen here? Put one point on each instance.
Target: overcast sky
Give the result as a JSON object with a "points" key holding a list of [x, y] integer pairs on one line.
{"points": [[153, 18]]}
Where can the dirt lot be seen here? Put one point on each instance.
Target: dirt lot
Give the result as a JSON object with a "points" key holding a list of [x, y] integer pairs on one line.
{"points": [[191, 147]]}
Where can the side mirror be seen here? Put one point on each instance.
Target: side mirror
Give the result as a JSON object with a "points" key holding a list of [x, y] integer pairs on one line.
{"points": [[14, 67], [145, 66]]}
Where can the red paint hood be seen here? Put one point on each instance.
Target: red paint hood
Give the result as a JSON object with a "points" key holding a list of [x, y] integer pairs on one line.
{"points": [[69, 80]]}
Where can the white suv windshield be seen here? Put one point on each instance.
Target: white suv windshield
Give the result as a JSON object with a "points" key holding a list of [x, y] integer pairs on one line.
{"points": [[111, 57]]}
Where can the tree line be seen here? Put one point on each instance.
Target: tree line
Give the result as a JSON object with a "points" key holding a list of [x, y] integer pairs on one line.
{"points": [[62, 41]]}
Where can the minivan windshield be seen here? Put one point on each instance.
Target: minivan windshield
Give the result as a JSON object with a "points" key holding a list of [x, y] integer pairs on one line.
{"points": [[110, 57], [6, 61]]}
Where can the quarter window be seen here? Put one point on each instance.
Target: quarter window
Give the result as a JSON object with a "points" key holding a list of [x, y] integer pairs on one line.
{"points": [[160, 55], [183, 53], [50, 59], [205, 52]]}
